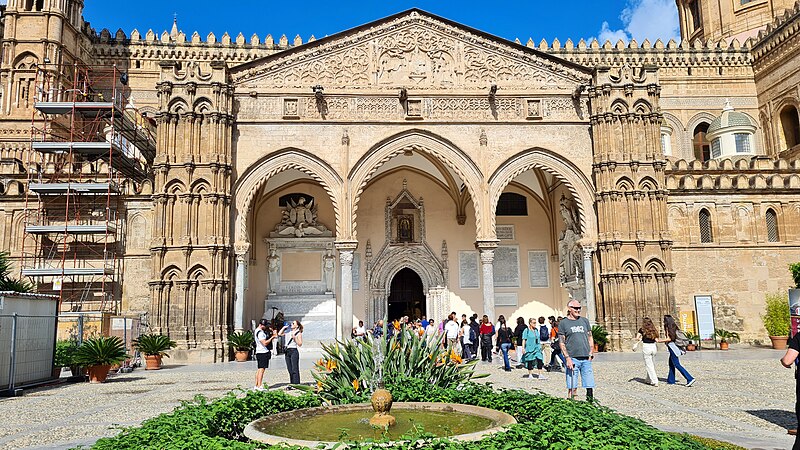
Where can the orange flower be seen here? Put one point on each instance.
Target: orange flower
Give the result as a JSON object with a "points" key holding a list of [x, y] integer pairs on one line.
{"points": [[331, 365], [355, 385], [396, 324]]}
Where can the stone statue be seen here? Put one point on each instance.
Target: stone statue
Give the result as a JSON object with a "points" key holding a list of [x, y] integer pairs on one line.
{"points": [[273, 263], [299, 220], [569, 252], [329, 264]]}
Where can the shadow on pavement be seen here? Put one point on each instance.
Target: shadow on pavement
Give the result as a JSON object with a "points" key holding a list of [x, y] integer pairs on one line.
{"points": [[782, 418]]}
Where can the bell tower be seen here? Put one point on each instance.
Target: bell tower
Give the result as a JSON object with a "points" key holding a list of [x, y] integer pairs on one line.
{"points": [[740, 19]]}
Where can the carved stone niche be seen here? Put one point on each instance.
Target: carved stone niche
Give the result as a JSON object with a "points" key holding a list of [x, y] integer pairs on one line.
{"points": [[405, 219]]}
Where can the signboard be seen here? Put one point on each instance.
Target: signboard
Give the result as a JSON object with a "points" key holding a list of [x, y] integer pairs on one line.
{"points": [[688, 324], [705, 316], [57, 282], [794, 311]]}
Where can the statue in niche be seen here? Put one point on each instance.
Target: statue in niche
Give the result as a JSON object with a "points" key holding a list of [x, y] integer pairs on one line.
{"points": [[405, 229], [273, 264], [570, 257], [299, 220], [329, 264]]}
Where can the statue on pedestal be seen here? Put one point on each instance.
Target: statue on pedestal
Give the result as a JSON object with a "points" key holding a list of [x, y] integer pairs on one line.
{"points": [[570, 258], [329, 266], [273, 263]]}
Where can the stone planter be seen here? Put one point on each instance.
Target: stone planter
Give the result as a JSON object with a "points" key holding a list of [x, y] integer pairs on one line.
{"points": [[779, 342], [56, 372], [152, 362], [242, 355], [98, 374]]}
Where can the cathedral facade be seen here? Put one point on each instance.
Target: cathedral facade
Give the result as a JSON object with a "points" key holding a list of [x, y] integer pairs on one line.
{"points": [[414, 166]]}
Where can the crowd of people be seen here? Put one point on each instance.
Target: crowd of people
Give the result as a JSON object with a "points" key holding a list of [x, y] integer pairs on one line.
{"points": [[539, 345]]}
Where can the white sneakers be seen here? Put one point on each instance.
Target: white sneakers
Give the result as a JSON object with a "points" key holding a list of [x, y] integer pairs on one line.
{"points": [[542, 377], [259, 388], [689, 384]]}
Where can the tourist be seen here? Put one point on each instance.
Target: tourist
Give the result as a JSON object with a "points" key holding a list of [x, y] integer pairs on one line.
{"points": [[476, 327], [555, 347], [575, 334], [451, 330], [292, 352], [263, 337], [430, 330], [487, 331], [675, 351], [377, 332], [532, 345], [466, 340], [424, 322], [518, 330], [544, 337], [647, 337], [360, 331], [789, 358], [504, 341]]}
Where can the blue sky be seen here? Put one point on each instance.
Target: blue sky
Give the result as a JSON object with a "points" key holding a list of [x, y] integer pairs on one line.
{"points": [[605, 19]]}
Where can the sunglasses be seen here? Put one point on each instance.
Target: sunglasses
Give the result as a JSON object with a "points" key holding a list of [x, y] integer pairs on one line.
{"points": [[576, 308]]}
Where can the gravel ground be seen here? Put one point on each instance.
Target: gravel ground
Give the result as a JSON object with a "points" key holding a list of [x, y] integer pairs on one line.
{"points": [[743, 396]]}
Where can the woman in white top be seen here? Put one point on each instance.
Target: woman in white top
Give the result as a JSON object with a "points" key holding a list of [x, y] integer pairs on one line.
{"points": [[466, 341], [294, 341]]}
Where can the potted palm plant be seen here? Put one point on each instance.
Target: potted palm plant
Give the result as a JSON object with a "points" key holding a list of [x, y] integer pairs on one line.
{"points": [[98, 354], [241, 341], [693, 340], [600, 338], [154, 347], [777, 319], [64, 356], [726, 336]]}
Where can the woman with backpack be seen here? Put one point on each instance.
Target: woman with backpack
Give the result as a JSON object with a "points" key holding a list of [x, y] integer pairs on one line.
{"points": [[532, 344], [504, 341], [487, 331], [466, 340], [647, 338], [673, 342], [518, 330]]}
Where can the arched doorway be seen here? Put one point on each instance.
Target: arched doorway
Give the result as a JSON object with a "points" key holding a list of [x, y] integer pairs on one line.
{"points": [[407, 296]]}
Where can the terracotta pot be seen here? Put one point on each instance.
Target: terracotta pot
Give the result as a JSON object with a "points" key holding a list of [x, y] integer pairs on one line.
{"points": [[691, 348], [98, 374], [779, 342], [596, 348], [153, 362], [723, 345], [56, 372], [242, 355]]}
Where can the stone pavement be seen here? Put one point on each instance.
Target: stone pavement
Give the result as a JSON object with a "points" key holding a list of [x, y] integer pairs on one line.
{"points": [[743, 396]]}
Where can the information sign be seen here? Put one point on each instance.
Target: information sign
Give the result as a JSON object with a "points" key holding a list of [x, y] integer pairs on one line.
{"points": [[705, 316]]}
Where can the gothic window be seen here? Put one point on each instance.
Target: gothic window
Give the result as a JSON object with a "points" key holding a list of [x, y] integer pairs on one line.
{"points": [[790, 125], [512, 204], [742, 142], [702, 148], [666, 140], [716, 149], [772, 226], [704, 219]]}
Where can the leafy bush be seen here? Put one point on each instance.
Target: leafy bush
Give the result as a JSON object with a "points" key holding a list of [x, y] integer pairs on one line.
{"points": [[347, 371], [65, 353], [599, 335], [154, 344], [100, 351], [6, 282], [795, 270], [241, 341], [776, 315]]}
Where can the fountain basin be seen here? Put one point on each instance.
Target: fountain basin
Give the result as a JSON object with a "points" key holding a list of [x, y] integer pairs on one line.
{"points": [[311, 427]]}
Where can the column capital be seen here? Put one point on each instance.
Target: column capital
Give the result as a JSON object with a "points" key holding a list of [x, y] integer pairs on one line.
{"points": [[346, 246], [587, 252], [488, 244], [241, 248]]}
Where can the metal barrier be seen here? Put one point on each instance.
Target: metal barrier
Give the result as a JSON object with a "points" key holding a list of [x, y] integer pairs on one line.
{"points": [[27, 350]]}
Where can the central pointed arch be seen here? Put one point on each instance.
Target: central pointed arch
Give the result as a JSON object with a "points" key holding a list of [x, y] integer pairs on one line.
{"points": [[425, 142]]}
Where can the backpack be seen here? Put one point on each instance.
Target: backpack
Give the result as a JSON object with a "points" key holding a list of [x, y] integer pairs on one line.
{"points": [[472, 336], [544, 333], [680, 339]]}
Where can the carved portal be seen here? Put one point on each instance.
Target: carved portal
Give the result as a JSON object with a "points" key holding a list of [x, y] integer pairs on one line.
{"points": [[405, 247]]}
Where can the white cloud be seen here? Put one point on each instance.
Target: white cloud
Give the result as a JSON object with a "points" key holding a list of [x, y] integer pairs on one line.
{"points": [[645, 19]]}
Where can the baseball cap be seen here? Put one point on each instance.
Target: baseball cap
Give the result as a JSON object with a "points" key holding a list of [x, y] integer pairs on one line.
{"points": [[264, 322]]}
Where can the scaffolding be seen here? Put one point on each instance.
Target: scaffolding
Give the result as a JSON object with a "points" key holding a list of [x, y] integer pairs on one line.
{"points": [[86, 141]]}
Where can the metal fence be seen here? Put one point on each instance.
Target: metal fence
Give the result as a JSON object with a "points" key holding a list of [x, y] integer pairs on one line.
{"points": [[26, 355]]}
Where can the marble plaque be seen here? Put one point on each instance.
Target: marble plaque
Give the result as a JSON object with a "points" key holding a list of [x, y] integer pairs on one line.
{"points": [[506, 266], [505, 232], [505, 299], [356, 271], [537, 269], [468, 270]]}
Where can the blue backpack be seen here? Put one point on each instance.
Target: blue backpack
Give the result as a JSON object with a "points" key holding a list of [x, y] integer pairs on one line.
{"points": [[544, 333]]}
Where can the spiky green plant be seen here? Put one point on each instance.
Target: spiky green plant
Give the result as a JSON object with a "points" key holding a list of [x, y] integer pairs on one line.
{"points": [[347, 371], [241, 341], [100, 351], [6, 282], [726, 336], [154, 344]]}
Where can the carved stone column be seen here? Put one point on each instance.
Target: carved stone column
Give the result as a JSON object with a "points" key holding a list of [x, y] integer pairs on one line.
{"points": [[588, 276], [486, 250], [346, 250], [240, 248]]}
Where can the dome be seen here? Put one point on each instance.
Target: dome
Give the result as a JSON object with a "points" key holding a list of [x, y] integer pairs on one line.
{"points": [[729, 119]]}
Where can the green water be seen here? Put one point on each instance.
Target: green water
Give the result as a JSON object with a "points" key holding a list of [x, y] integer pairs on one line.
{"points": [[354, 425]]}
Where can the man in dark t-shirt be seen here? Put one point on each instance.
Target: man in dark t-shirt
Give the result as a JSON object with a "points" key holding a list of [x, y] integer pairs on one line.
{"points": [[575, 339], [788, 359]]}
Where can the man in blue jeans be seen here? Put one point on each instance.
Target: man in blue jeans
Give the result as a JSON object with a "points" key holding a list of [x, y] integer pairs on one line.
{"points": [[575, 339]]}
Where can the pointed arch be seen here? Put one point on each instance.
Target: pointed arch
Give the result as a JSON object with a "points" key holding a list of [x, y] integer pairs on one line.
{"points": [[576, 182], [254, 178], [429, 144]]}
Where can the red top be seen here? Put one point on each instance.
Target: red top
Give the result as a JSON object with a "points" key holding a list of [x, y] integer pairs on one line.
{"points": [[486, 328]]}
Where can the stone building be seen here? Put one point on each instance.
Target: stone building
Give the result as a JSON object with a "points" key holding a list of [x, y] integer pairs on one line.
{"points": [[409, 166]]}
